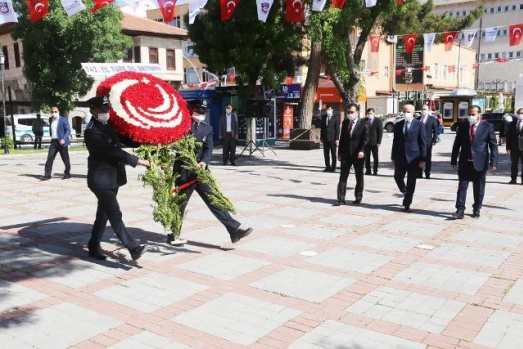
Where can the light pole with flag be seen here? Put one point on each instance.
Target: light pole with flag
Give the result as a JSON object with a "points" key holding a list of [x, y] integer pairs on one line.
{"points": [[2, 60]]}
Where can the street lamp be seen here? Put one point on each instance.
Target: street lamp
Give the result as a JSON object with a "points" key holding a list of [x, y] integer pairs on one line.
{"points": [[2, 60], [497, 81]]}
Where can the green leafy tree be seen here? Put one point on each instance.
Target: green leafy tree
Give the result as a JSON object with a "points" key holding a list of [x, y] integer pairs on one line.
{"points": [[55, 46], [255, 49]]}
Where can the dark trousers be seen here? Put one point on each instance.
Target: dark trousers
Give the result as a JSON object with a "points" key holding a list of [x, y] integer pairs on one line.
{"points": [[466, 174], [329, 148], [374, 150], [229, 148], [205, 193], [428, 162], [516, 157], [411, 170], [55, 148], [109, 209], [344, 175], [38, 141]]}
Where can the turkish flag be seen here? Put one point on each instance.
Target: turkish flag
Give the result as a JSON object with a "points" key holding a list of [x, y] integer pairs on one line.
{"points": [[374, 43], [515, 32], [399, 72], [410, 42], [337, 3], [452, 68], [227, 8], [38, 9], [448, 39], [289, 80], [294, 11], [167, 8], [475, 65], [400, 2], [98, 4], [426, 68], [501, 60]]}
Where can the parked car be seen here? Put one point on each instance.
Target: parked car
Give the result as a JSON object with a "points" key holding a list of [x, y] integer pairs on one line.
{"points": [[496, 119], [388, 124], [24, 128]]}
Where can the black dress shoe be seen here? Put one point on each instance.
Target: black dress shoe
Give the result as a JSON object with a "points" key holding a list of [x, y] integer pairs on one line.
{"points": [[327, 169], [512, 181], [239, 234], [339, 203], [427, 175], [459, 214], [45, 178], [476, 214], [367, 172], [233, 163], [406, 209], [66, 176], [137, 252], [97, 255], [356, 202], [375, 173]]}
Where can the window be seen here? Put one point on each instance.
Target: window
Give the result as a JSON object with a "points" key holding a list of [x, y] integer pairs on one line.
{"points": [[505, 32], [485, 10], [445, 69], [482, 57], [128, 56], [170, 61], [481, 86], [514, 8], [16, 49], [499, 8], [451, 14], [386, 71], [518, 54], [511, 55], [506, 8], [491, 10], [137, 54], [176, 22], [463, 13], [436, 69], [489, 56], [6, 55], [521, 6], [191, 76], [153, 55], [496, 55]]}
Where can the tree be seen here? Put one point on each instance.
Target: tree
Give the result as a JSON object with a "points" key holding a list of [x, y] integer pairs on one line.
{"points": [[55, 46], [255, 49]]}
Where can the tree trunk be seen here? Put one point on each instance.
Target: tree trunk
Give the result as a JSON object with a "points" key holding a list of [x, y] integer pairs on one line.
{"points": [[311, 85]]}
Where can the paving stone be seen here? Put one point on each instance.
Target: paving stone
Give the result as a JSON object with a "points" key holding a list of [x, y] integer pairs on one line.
{"points": [[416, 228], [348, 219], [482, 237], [14, 296], [503, 330], [316, 231], [386, 241], [25, 257], [245, 320], [304, 284], [443, 277], [148, 339], [350, 260], [333, 334], [12, 240], [470, 255], [515, 294], [276, 246], [293, 213]]}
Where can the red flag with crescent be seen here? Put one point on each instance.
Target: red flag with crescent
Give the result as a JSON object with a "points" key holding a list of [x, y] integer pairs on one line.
{"points": [[410, 42], [400, 2], [227, 8], [98, 4], [515, 32], [452, 68], [374, 43], [475, 65], [448, 39], [294, 11], [337, 3], [167, 8], [38, 9], [399, 72]]}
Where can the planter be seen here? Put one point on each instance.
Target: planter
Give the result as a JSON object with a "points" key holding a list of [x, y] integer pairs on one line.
{"points": [[305, 139]]}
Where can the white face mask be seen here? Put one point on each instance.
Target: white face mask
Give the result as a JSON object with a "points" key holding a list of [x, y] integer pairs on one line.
{"points": [[472, 119], [424, 112], [103, 117], [54, 114], [353, 117], [198, 117], [370, 116], [228, 110], [520, 117], [329, 112], [408, 116]]}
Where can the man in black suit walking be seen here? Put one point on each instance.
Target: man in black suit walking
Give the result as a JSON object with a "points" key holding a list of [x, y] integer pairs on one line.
{"points": [[476, 145], [228, 134], [353, 139], [515, 146], [431, 138], [375, 126], [330, 132], [408, 153]]}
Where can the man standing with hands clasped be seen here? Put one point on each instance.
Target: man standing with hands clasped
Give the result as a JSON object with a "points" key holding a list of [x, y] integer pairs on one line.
{"points": [[476, 145], [375, 135], [329, 133], [228, 134], [431, 138]]}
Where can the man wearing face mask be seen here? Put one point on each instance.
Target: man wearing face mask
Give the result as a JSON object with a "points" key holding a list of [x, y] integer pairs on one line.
{"points": [[431, 134], [351, 152], [203, 133], [228, 134], [60, 132], [476, 145], [329, 134], [375, 135], [515, 145], [105, 174], [408, 153]]}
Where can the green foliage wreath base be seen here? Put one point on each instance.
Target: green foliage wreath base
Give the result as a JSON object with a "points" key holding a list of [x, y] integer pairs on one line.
{"points": [[161, 177]]}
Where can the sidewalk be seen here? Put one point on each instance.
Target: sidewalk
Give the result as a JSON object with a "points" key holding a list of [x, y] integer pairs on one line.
{"points": [[311, 275]]}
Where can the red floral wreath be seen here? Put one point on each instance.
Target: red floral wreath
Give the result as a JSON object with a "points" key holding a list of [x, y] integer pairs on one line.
{"points": [[145, 109]]}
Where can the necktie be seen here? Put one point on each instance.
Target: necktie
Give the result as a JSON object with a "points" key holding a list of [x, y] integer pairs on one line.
{"points": [[407, 125], [350, 127], [472, 133], [328, 120]]}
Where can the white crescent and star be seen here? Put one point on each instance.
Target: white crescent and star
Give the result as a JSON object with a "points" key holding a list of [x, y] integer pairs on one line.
{"points": [[375, 42], [411, 41], [297, 9], [230, 6], [449, 38], [516, 32], [38, 7]]}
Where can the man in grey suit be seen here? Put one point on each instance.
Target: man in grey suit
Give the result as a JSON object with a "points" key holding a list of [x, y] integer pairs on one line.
{"points": [[330, 132], [228, 134], [476, 145]]}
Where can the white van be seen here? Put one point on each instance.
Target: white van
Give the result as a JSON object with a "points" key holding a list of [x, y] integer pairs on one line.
{"points": [[24, 128]]}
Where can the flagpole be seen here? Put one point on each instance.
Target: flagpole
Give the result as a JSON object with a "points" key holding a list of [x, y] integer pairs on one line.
{"points": [[476, 82], [459, 56]]}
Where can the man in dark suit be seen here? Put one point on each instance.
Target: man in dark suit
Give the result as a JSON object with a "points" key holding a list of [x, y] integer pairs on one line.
{"points": [[408, 153], [203, 133], [228, 134], [105, 174], [329, 134], [351, 152], [476, 145], [375, 126], [515, 145], [60, 131], [431, 138]]}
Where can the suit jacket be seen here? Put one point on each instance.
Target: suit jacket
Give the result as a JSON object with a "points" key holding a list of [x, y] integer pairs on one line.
{"points": [[409, 146], [63, 129], [484, 148], [105, 165], [375, 131], [203, 134], [351, 145], [330, 132], [514, 137], [222, 130], [431, 130]]}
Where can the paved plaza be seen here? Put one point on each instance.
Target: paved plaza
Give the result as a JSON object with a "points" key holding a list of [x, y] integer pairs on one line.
{"points": [[311, 275]]}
